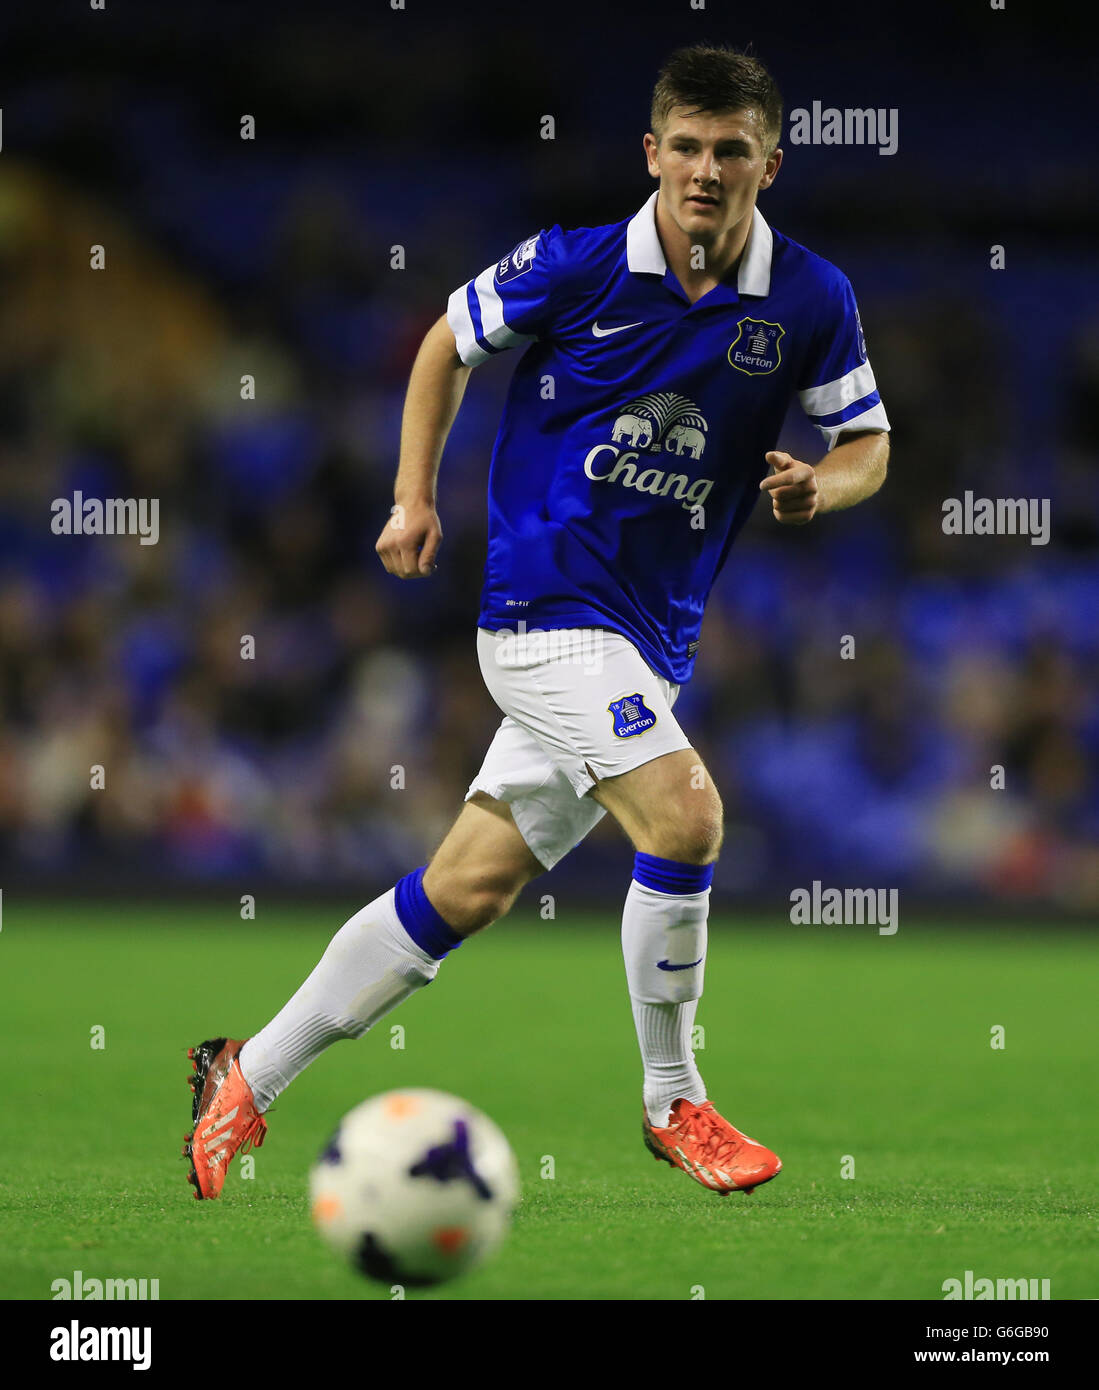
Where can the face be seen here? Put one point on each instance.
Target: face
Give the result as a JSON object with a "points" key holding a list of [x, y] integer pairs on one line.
{"points": [[710, 168]]}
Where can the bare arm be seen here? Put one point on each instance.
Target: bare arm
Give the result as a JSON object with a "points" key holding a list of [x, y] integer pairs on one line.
{"points": [[411, 537], [853, 471]]}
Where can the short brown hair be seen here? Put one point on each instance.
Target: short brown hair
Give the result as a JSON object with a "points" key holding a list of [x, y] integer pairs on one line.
{"points": [[712, 79]]}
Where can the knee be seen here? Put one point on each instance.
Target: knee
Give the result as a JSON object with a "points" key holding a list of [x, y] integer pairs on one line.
{"points": [[470, 898], [692, 831], [485, 903], [696, 843]]}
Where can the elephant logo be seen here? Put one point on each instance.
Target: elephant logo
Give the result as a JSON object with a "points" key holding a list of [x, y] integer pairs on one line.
{"points": [[636, 430], [661, 420], [683, 437], [756, 348]]}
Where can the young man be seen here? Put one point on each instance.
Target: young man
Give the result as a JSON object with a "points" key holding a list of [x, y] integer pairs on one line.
{"points": [[637, 435]]}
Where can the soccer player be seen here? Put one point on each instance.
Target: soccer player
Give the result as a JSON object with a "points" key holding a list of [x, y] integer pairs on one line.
{"points": [[638, 432]]}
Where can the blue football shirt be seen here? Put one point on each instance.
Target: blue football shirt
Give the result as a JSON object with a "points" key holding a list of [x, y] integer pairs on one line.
{"points": [[632, 441]]}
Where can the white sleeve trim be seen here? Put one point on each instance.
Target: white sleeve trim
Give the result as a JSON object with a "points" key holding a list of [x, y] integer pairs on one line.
{"points": [[839, 394], [493, 328], [461, 324], [873, 419]]}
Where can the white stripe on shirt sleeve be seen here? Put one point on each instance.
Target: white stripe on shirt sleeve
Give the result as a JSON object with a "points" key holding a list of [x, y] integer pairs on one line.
{"points": [[872, 419], [837, 395], [493, 328], [461, 325]]}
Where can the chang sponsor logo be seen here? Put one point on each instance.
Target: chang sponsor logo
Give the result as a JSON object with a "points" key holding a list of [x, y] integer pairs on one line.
{"points": [[651, 427]]}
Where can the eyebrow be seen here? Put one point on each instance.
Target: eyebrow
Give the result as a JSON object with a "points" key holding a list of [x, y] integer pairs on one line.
{"points": [[725, 140]]}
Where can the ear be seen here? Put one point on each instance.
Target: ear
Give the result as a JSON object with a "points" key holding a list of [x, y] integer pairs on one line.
{"points": [[652, 154], [770, 169]]}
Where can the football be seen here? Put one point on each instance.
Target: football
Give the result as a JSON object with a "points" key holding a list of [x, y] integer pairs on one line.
{"points": [[415, 1187]]}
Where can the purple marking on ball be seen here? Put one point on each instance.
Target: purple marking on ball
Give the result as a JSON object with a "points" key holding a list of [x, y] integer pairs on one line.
{"points": [[447, 1162]]}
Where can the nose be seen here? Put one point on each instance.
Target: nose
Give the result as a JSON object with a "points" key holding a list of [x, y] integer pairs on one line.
{"points": [[708, 170]]}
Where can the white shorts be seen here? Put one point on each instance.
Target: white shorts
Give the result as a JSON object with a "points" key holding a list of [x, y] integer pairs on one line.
{"points": [[573, 698]]}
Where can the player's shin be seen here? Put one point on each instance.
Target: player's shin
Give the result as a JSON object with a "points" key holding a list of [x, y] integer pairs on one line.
{"points": [[664, 947], [387, 951]]}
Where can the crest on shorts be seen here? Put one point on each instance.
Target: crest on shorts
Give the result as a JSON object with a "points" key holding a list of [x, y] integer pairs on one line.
{"points": [[631, 716]]}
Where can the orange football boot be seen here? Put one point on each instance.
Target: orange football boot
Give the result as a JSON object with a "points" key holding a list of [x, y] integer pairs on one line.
{"points": [[705, 1145], [223, 1115]]}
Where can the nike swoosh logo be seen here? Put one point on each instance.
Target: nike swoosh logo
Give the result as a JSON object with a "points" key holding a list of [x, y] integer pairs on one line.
{"points": [[598, 332], [666, 965]]}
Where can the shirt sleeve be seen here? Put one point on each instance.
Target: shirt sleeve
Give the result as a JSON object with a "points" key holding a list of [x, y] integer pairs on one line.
{"points": [[839, 391], [510, 302]]}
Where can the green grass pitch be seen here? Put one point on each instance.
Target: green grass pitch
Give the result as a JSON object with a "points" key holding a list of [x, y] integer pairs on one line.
{"points": [[820, 1041]]}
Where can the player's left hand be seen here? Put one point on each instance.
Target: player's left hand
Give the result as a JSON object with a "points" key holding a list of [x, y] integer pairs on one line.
{"points": [[795, 495]]}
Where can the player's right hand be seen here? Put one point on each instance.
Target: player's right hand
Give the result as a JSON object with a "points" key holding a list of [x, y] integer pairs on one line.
{"points": [[410, 540]]}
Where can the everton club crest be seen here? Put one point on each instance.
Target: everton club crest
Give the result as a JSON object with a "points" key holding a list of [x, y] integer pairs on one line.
{"points": [[755, 349], [631, 716]]}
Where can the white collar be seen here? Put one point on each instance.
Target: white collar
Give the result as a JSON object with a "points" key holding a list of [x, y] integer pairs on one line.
{"points": [[644, 253]]}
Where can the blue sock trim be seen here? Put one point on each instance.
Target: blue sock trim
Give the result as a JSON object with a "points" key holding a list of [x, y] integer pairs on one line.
{"points": [[670, 876], [431, 932]]}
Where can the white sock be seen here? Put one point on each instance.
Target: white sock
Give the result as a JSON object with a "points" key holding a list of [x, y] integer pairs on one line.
{"points": [[664, 1034], [370, 966], [661, 930]]}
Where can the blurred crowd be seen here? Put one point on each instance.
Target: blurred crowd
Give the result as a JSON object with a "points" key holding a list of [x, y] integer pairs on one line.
{"points": [[951, 754]]}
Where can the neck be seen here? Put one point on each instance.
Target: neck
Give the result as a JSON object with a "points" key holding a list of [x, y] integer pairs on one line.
{"points": [[722, 252]]}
